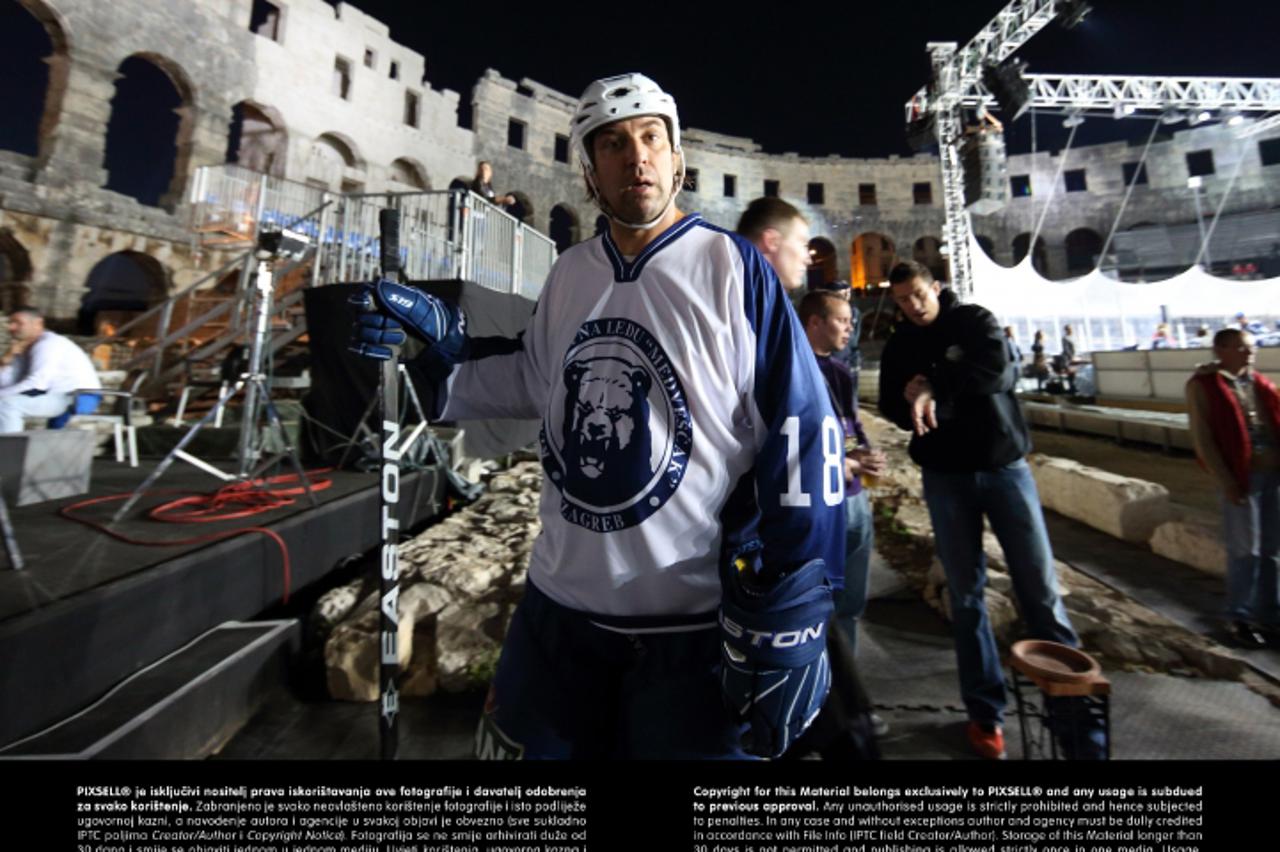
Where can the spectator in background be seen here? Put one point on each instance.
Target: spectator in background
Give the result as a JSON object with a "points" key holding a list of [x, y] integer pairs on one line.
{"points": [[40, 371], [1202, 339], [1234, 413], [781, 233], [1068, 345], [1244, 324], [483, 186], [1039, 360], [1162, 338], [1015, 351], [846, 727]]}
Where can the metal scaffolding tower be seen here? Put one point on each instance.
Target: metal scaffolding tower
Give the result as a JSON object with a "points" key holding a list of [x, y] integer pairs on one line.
{"points": [[957, 86]]}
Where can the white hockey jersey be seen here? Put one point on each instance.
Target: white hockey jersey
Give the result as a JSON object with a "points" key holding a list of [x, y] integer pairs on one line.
{"points": [[683, 415]]}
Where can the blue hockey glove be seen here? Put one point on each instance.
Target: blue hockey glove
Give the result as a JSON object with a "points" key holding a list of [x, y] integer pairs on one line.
{"points": [[775, 672], [394, 309], [373, 335]]}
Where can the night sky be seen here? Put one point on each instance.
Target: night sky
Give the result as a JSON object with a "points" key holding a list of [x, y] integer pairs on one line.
{"points": [[817, 78], [822, 77]]}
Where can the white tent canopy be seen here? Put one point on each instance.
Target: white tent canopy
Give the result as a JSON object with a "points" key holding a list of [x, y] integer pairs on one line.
{"points": [[1111, 314]]}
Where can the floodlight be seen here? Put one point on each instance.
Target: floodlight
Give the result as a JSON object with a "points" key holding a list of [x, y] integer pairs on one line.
{"points": [[1007, 86]]}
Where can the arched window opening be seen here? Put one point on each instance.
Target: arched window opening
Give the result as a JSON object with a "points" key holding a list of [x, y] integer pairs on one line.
{"points": [[142, 134], [15, 272], [257, 139], [1039, 260], [823, 269], [988, 245], [409, 175], [1083, 247], [26, 50], [872, 256], [522, 209], [332, 161], [564, 227], [126, 281]]}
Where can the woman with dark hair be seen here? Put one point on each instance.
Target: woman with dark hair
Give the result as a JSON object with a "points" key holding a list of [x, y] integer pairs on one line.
{"points": [[483, 185]]}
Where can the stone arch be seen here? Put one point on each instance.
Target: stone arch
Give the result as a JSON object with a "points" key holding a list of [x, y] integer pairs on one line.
{"points": [[872, 255], [334, 160], [1039, 260], [409, 172], [564, 229], [33, 50], [988, 245], [522, 209], [149, 133], [258, 138], [1083, 247], [825, 262], [123, 281], [15, 272], [928, 250]]}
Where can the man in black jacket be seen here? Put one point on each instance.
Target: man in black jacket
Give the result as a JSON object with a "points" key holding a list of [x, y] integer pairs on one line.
{"points": [[946, 375]]}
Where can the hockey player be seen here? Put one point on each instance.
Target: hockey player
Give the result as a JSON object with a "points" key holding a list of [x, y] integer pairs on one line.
{"points": [[692, 498]]}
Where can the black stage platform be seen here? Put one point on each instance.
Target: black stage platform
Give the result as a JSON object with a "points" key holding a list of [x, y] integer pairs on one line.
{"points": [[88, 610]]}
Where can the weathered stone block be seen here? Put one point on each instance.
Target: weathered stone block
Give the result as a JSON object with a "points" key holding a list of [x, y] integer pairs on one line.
{"points": [[1193, 539], [1127, 508]]}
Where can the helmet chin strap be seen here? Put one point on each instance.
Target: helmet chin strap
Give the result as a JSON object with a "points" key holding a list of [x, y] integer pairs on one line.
{"points": [[677, 183]]}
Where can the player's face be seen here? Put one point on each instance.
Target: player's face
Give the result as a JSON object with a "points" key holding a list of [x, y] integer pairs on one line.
{"points": [[792, 258], [917, 300], [25, 327], [635, 167], [832, 333]]}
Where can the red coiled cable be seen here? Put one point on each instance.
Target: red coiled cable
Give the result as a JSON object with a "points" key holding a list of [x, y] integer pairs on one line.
{"points": [[231, 501]]}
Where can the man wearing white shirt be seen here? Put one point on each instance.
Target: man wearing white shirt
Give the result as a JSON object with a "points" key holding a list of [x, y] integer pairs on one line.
{"points": [[40, 371]]}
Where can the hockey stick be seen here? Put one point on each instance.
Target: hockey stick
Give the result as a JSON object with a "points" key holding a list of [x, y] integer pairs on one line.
{"points": [[389, 562]]}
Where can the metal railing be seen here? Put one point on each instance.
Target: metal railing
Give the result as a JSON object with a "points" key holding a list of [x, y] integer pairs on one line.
{"points": [[443, 234]]}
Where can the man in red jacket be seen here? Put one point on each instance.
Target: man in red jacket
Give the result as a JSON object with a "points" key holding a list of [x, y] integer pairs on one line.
{"points": [[1235, 423]]}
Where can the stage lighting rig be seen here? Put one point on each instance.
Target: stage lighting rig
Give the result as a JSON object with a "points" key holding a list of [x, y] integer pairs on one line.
{"points": [[1005, 83]]}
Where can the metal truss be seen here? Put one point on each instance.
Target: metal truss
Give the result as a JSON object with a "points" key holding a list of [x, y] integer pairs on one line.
{"points": [[1140, 94], [1012, 27], [957, 85]]}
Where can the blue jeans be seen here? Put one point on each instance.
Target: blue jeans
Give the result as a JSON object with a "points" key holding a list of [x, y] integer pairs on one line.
{"points": [[859, 541], [1008, 497], [1251, 533]]}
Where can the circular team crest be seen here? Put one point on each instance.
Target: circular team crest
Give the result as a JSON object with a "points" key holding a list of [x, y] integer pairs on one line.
{"points": [[617, 434]]}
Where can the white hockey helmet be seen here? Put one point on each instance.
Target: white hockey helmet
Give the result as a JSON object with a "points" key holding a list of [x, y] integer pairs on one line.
{"points": [[617, 98]]}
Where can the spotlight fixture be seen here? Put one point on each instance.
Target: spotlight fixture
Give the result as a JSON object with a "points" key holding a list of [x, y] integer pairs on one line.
{"points": [[1073, 12], [1234, 119], [1007, 86], [1073, 119], [1124, 110], [1201, 117], [1172, 116], [922, 134]]}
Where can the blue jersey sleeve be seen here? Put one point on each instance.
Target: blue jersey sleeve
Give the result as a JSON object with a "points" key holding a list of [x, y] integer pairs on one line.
{"points": [[799, 466]]}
